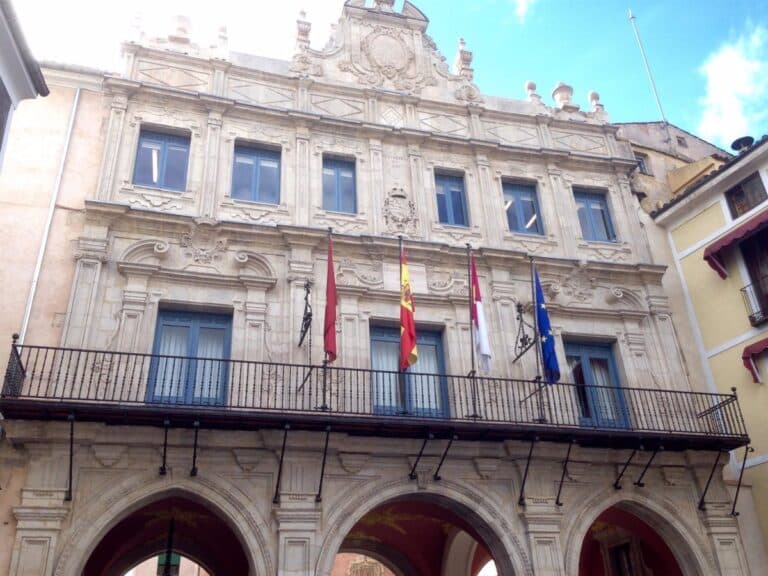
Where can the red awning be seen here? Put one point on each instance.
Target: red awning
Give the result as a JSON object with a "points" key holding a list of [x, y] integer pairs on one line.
{"points": [[748, 357], [713, 253]]}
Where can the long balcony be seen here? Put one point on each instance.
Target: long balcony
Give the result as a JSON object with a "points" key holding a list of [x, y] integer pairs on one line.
{"points": [[48, 383], [756, 301]]}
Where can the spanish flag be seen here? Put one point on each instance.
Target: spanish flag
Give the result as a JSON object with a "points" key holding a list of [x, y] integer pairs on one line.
{"points": [[408, 351]]}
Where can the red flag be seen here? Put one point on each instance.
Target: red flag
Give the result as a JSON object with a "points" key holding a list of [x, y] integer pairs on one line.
{"points": [[408, 351], [482, 346], [329, 326]]}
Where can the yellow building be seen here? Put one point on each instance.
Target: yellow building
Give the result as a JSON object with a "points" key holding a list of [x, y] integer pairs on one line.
{"points": [[718, 232]]}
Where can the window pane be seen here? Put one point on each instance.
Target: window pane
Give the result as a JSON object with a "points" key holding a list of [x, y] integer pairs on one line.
{"points": [[459, 209], [172, 372], [269, 181], [208, 374], [577, 374], [347, 190], [530, 218], [242, 178], [175, 176], [510, 207], [586, 228], [385, 356], [424, 387], [601, 221], [329, 189], [147, 170], [605, 397]]}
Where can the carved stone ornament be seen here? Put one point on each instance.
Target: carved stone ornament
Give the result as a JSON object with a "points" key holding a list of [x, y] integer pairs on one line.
{"points": [[446, 282], [304, 65], [386, 59], [579, 286], [202, 244], [357, 274], [400, 213]]}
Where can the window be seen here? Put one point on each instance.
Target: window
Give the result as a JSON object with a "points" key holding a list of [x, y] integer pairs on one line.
{"points": [[746, 195], [423, 389], [593, 372], [190, 363], [754, 250], [256, 174], [451, 204], [522, 208], [642, 163], [594, 217], [161, 161], [339, 194]]}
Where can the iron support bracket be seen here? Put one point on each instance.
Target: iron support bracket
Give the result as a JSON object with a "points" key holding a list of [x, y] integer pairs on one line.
{"points": [[521, 499], [617, 482], [71, 418], [163, 469], [193, 471], [639, 483], [436, 475], [412, 473], [565, 471], [747, 450], [319, 495], [702, 504], [276, 499]]}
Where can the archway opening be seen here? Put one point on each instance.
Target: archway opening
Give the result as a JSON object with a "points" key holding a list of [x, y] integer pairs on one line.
{"points": [[618, 543], [175, 565], [416, 536], [194, 531]]}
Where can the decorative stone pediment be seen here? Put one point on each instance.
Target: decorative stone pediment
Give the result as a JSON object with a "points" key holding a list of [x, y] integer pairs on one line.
{"points": [[377, 47], [400, 214]]}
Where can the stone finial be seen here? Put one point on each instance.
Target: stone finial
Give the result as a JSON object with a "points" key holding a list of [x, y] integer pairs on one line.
{"points": [[384, 5], [137, 29], [562, 95], [530, 89], [303, 28], [181, 33], [222, 42], [462, 65], [594, 100]]}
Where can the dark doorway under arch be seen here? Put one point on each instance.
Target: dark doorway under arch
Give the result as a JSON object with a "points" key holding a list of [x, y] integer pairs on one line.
{"points": [[411, 536], [199, 534], [620, 544]]}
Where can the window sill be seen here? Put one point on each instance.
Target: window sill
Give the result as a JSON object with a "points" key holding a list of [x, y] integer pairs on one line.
{"points": [[235, 201], [134, 186]]}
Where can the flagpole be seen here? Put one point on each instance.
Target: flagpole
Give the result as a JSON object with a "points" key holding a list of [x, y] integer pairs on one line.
{"points": [[470, 298], [536, 334], [401, 375]]}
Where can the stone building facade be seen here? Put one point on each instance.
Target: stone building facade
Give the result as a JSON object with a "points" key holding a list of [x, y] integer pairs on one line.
{"points": [[196, 193]]}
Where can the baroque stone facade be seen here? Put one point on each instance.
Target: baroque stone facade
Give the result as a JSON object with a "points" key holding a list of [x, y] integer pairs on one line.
{"points": [[381, 96]]}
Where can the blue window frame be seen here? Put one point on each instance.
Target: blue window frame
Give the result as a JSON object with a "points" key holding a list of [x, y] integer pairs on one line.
{"points": [[594, 216], [256, 174], [339, 191], [161, 161], [522, 207], [190, 363], [599, 398], [422, 390], [451, 201]]}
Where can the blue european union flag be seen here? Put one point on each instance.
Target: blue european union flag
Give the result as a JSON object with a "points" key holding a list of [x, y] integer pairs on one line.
{"points": [[548, 353]]}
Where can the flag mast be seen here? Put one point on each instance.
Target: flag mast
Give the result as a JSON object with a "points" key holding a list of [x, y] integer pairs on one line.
{"points": [[471, 299]]}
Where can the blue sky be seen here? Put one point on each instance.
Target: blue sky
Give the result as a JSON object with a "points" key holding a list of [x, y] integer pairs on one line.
{"points": [[709, 57]]}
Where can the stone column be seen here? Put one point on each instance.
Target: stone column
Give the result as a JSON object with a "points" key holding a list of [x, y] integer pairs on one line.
{"points": [[727, 547], [117, 111], [490, 200], [297, 550], [39, 521], [543, 528], [90, 256], [208, 197], [301, 200], [377, 193], [564, 209]]}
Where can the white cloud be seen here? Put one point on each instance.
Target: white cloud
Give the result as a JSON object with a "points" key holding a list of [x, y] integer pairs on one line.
{"points": [[737, 88], [89, 32], [522, 7]]}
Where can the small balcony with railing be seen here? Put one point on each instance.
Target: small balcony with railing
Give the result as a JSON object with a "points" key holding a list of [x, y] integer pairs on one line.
{"points": [[50, 383], [755, 297]]}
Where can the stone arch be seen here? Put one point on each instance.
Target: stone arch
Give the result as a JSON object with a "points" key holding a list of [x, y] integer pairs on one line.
{"points": [[145, 252], [100, 516], [659, 513], [499, 536], [255, 264]]}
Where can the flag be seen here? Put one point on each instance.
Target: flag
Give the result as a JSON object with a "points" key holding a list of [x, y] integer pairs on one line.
{"points": [[548, 353], [479, 327], [329, 325], [408, 351]]}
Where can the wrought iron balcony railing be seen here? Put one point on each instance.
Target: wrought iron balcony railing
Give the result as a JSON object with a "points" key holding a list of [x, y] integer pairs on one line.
{"points": [[755, 298], [50, 383]]}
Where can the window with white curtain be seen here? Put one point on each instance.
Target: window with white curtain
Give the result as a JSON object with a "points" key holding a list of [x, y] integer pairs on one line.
{"points": [[190, 361], [597, 392], [422, 388]]}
